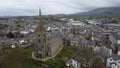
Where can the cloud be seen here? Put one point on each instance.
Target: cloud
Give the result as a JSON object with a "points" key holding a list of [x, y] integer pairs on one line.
{"points": [[30, 7]]}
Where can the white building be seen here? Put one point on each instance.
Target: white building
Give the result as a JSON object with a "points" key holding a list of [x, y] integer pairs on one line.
{"points": [[72, 63], [24, 32], [76, 23], [113, 61], [94, 22], [22, 41], [13, 46]]}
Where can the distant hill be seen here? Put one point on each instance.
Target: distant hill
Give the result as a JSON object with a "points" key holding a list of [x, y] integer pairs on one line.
{"points": [[108, 11]]}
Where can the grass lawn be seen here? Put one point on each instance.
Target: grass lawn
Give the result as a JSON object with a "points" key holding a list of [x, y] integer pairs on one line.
{"points": [[59, 60], [21, 58], [18, 58], [29, 51]]}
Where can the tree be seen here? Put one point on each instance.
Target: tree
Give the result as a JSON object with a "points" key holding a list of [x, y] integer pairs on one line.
{"points": [[10, 35], [89, 59], [88, 37], [17, 58]]}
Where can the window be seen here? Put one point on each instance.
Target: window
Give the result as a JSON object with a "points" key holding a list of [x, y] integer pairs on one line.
{"points": [[110, 59], [119, 62], [44, 40], [44, 35], [38, 40], [39, 35]]}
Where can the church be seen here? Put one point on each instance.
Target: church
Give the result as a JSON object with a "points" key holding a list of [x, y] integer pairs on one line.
{"points": [[48, 44]]}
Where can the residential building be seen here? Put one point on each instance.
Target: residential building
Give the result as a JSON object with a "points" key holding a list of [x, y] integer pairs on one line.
{"points": [[113, 61], [72, 63]]}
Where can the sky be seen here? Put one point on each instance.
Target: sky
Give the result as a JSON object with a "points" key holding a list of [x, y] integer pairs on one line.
{"points": [[31, 7]]}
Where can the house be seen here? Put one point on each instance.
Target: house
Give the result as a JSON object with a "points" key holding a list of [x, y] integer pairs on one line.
{"points": [[113, 61], [72, 63], [77, 23], [118, 50], [73, 40], [22, 41], [86, 44], [24, 32], [115, 40], [106, 52], [99, 36]]}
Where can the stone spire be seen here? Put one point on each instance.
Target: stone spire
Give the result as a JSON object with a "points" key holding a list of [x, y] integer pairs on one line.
{"points": [[40, 27]]}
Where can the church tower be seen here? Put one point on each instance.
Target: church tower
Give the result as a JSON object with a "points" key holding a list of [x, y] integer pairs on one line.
{"points": [[40, 48]]}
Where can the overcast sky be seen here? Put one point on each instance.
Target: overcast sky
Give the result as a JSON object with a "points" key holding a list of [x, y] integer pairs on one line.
{"points": [[30, 7]]}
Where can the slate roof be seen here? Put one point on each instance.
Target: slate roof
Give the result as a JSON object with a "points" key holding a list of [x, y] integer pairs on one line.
{"points": [[115, 57], [113, 63], [105, 51], [115, 35], [72, 38], [87, 42]]}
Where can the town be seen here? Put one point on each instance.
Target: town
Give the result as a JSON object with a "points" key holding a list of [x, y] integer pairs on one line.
{"points": [[57, 41]]}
